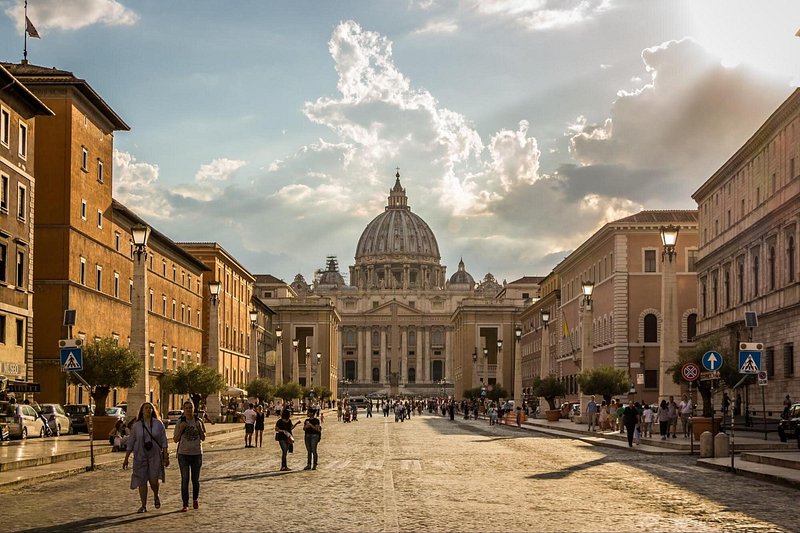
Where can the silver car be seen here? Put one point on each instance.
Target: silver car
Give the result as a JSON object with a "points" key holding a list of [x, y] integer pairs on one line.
{"points": [[21, 419], [56, 417]]}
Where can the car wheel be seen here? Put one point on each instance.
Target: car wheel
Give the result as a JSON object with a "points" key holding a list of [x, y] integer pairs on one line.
{"points": [[24, 433]]}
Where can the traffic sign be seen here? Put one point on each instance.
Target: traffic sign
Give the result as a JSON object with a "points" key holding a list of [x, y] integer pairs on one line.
{"points": [[762, 377], [690, 371], [749, 361], [71, 359], [640, 378], [705, 376], [712, 361]]}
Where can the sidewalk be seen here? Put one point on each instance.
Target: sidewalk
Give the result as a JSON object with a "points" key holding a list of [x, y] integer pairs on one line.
{"points": [[24, 462]]}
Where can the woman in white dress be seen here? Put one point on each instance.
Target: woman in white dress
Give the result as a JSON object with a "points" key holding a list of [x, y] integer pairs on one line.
{"points": [[148, 444]]}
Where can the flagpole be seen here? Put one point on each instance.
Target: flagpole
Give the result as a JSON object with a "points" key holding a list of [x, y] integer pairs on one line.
{"points": [[25, 32]]}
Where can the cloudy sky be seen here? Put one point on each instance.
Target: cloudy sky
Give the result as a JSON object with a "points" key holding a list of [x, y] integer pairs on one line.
{"points": [[519, 126]]}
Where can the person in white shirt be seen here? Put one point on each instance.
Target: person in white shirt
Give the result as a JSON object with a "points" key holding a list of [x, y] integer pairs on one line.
{"points": [[685, 409], [249, 416], [647, 414]]}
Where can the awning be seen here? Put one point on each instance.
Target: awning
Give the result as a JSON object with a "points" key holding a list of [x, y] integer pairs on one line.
{"points": [[235, 391]]}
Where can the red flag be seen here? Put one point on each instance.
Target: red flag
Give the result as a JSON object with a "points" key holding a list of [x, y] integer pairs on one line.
{"points": [[30, 29]]}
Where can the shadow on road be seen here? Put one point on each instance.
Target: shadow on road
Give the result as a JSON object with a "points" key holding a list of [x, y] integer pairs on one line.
{"points": [[244, 477], [566, 472], [100, 522]]}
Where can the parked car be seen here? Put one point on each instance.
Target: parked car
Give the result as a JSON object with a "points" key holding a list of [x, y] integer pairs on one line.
{"points": [[77, 416], [173, 417], [119, 412], [57, 418], [22, 420], [789, 427]]}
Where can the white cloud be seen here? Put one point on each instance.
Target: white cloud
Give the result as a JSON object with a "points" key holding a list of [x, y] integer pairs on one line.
{"points": [[515, 156], [438, 27], [135, 185], [218, 170], [73, 14], [537, 15]]}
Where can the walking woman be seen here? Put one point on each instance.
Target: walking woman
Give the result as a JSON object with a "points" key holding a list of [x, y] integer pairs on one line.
{"points": [[663, 419], [283, 434], [150, 454], [259, 429], [313, 430], [189, 434]]}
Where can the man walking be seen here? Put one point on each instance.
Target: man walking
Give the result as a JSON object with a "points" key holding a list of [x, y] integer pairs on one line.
{"points": [[591, 412], [249, 425], [685, 409]]}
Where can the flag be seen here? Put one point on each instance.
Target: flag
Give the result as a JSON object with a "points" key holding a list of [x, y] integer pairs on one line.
{"points": [[566, 326], [30, 29]]}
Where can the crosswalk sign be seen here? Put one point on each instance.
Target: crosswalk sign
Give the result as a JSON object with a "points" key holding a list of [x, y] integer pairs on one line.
{"points": [[71, 359], [749, 361]]}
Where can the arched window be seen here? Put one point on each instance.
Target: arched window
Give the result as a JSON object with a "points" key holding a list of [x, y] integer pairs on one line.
{"points": [[790, 259], [650, 328], [726, 288], [741, 283], [771, 268], [376, 375], [691, 327], [412, 375], [755, 275]]}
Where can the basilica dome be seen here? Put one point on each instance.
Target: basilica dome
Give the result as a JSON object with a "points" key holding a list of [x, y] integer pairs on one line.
{"points": [[462, 278], [397, 249]]}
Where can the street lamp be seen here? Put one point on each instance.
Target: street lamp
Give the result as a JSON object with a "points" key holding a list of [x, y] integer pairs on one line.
{"points": [[319, 369], [308, 366], [475, 362], [295, 370], [278, 356], [668, 347], [544, 369], [254, 363], [517, 367], [213, 405], [587, 353], [138, 394]]}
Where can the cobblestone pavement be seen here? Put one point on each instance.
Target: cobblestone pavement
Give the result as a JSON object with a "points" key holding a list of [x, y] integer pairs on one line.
{"points": [[426, 474]]}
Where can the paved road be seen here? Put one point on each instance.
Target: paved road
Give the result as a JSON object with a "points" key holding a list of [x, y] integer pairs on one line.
{"points": [[426, 474]]}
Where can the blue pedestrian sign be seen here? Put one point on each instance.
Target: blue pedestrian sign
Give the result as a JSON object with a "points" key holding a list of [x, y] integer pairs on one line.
{"points": [[712, 361], [71, 359], [749, 361]]}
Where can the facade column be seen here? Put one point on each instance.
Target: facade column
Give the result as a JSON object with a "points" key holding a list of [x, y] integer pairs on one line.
{"points": [[383, 356], [213, 404], [448, 350], [403, 355], [139, 394], [669, 340], [423, 371], [359, 354], [295, 362], [587, 351], [367, 360], [278, 361]]}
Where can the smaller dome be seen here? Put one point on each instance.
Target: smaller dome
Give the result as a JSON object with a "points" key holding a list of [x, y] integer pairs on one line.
{"points": [[462, 277], [330, 276]]}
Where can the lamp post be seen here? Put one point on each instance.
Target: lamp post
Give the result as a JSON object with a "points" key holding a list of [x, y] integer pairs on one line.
{"points": [[587, 353], [517, 367], [668, 353], [544, 364], [475, 363], [295, 377], [308, 366], [138, 394], [278, 356], [214, 406], [254, 363], [319, 369]]}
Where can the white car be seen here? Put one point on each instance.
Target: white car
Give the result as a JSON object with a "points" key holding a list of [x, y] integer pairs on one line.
{"points": [[115, 411], [173, 417], [22, 420], [56, 417]]}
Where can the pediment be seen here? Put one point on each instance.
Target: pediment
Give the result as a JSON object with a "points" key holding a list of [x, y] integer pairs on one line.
{"points": [[386, 310]]}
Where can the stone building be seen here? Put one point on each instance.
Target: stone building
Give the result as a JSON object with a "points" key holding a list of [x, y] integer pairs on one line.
{"points": [[85, 259], [748, 256], [624, 261], [19, 109]]}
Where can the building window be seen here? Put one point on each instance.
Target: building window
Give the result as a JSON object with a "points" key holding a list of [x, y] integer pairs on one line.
{"points": [[650, 328], [84, 159], [152, 352], [755, 275], [173, 309], [703, 299], [100, 176], [22, 205], [771, 261], [99, 281], [164, 267], [691, 260], [726, 288], [788, 360], [82, 273], [5, 126], [174, 358], [163, 305], [651, 379], [714, 292], [23, 140], [790, 259], [3, 256], [691, 327], [116, 284], [183, 313], [741, 281], [649, 260], [150, 301], [21, 269], [770, 362], [174, 273], [20, 332], [2, 329], [189, 316], [116, 240], [164, 357], [83, 209], [130, 292], [4, 194]]}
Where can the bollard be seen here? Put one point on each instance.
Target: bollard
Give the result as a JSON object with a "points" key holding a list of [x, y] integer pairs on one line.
{"points": [[706, 445], [721, 445]]}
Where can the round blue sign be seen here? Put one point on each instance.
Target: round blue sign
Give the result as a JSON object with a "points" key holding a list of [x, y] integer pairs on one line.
{"points": [[712, 361]]}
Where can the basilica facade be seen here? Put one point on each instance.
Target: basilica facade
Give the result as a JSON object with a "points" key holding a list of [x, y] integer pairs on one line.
{"points": [[400, 326]]}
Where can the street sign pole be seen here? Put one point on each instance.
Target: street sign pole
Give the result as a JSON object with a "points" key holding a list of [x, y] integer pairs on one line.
{"points": [[90, 421], [764, 412]]}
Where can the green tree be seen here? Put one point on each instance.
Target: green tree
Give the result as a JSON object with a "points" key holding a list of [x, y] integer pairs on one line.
{"points": [[496, 393], [604, 381], [729, 371], [196, 381], [106, 365], [261, 388], [549, 388], [289, 391], [469, 394]]}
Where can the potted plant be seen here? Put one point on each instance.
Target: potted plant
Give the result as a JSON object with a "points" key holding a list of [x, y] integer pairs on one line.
{"points": [[107, 365], [604, 381], [549, 388]]}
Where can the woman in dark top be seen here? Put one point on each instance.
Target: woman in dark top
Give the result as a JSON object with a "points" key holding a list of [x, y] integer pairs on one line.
{"points": [[283, 434], [630, 417], [259, 428]]}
